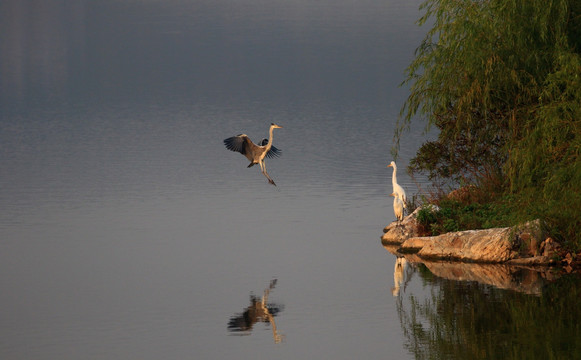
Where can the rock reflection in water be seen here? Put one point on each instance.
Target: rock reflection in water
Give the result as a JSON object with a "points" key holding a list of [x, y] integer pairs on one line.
{"points": [[486, 311], [518, 278], [259, 310]]}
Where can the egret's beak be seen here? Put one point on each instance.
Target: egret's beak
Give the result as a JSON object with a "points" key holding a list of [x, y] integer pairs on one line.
{"points": [[392, 194], [389, 165]]}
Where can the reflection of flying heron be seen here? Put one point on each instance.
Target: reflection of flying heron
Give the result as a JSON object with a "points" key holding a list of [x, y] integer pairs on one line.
{"points": [[255, 153], [397, 189], [397, 207], [259, 310], [399, 275]]}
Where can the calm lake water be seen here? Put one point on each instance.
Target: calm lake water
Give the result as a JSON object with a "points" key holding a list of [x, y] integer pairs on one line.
{"points": [[128, 231]]}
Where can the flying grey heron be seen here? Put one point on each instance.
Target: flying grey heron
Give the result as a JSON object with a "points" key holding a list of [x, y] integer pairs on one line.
{"points": [[397, 189], [255, 153]]}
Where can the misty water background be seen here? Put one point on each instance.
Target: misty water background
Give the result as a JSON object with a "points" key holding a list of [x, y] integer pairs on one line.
{"points": [[128, 230]]}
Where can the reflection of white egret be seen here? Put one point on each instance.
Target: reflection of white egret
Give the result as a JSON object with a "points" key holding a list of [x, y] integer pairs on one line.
{"points": [[255, 153], [398, 275], [397, 207], [396, 187]]}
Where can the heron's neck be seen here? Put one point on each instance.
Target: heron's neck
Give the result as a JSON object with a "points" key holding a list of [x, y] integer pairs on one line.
{"points": [[269, 144]]}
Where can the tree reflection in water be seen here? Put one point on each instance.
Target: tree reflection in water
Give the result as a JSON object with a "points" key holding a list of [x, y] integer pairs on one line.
{"points": [[258, 310], [468, 320]]}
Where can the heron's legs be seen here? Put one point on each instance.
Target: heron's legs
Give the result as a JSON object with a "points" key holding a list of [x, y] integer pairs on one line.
{"points": [[263, 169], [276, 336]]}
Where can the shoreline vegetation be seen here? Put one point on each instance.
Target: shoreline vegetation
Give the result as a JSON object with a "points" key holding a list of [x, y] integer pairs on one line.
{"points": [[501, 81], [525, 245]]}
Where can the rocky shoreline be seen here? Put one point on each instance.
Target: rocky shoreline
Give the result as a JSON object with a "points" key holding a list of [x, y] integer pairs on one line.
{"points": [[524, 245]]}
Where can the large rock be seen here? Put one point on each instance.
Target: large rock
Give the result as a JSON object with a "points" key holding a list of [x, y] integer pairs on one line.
{"points": [[497, 245], [490, 245], [396, 233]]}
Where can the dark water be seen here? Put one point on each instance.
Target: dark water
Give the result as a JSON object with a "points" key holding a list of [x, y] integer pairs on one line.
{"points": [[127, 229]]}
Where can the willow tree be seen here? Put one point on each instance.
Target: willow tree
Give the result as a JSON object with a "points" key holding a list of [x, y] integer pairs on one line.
{"points": [[500, 79]]}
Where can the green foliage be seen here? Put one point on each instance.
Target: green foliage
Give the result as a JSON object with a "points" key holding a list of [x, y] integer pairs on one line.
{"points": [[426, 216], [501, 80], [452, 215], [545, 166]]}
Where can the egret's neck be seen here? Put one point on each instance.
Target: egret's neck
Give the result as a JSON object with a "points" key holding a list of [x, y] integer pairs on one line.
{"points": [[394, 176]]}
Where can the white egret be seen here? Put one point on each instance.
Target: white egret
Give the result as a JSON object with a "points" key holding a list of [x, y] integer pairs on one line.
{"points": [[397, 207], [396, 187], [255, 153]]}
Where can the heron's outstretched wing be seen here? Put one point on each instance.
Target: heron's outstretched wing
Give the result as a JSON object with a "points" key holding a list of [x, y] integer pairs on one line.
{"points": [[237, 143], [273, 152]]}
